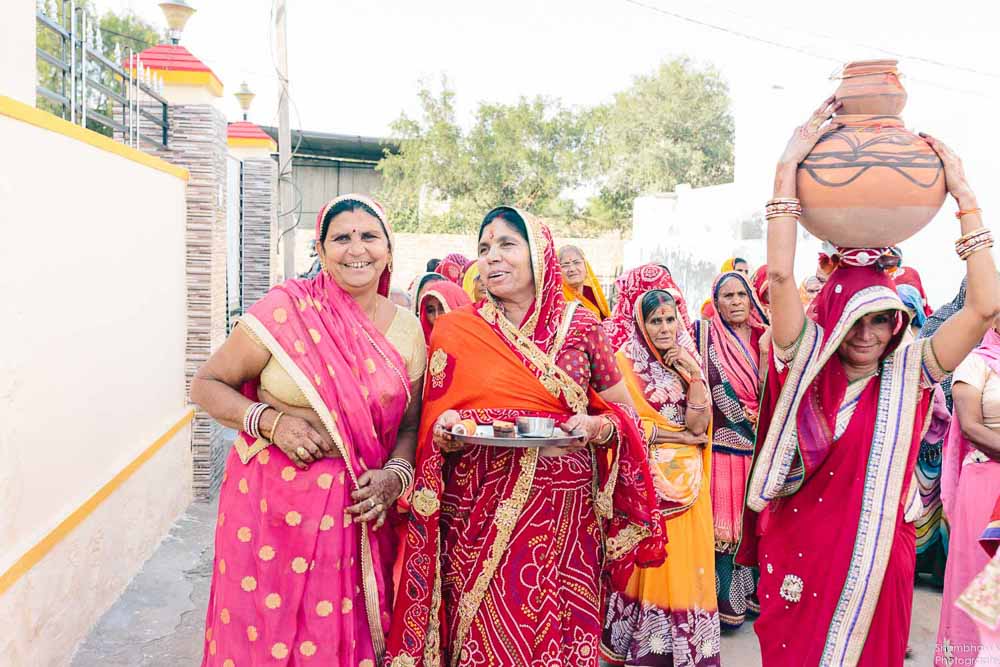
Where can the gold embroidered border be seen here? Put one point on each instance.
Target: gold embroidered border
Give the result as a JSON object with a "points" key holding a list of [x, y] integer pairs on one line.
{"points": [[555, 380], [247, 452], [504, 521], [846, 638], [369, 582], [626, 540]]}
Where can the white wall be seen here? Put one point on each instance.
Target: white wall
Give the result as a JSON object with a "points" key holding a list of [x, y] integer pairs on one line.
{"points": [[17, 50], [92, 373]]}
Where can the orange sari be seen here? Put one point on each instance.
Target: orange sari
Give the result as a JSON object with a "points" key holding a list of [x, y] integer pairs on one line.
{"points": [[667, 615], [504, 547]]}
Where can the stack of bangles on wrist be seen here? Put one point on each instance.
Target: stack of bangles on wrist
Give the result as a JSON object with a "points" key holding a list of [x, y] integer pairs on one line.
{"points": [[403, 469], [783, 207], [973, 242], [699, 407], [610, 434], [653, 435], [251, 418]]}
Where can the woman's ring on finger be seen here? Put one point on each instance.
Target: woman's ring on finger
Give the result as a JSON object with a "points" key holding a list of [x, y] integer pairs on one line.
{"points": [[371, 503], [301, 451]]}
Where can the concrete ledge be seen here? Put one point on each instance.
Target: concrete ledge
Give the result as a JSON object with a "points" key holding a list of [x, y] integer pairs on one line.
{"points": [[19, 111]]}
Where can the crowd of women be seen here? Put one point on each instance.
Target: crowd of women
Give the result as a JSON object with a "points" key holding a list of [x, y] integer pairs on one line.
{"points": [[785, 455]]}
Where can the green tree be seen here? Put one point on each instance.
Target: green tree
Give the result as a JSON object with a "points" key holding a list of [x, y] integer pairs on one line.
{"points": [[670, 127], [444, 179]]}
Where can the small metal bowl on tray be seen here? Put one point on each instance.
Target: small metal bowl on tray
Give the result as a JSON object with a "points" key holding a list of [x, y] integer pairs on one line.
{"points": [[535, 427]]}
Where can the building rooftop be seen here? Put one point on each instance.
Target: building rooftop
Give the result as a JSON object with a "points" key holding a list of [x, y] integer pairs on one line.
{"points": [[337, 146]]}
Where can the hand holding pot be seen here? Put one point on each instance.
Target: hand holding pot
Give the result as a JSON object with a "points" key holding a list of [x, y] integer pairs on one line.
{"points": [[954, 172], [805, 136]]}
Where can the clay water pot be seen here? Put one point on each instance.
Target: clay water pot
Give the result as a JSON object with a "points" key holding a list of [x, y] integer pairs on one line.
{"points": [[871, 183], [871, 87]]}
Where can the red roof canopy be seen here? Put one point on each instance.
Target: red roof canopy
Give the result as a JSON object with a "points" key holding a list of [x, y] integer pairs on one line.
{"points": [[172, 57], [246, 130]]}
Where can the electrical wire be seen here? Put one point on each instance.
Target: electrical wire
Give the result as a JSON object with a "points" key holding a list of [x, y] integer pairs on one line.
{"points": [[870, 47], [800, 50]]}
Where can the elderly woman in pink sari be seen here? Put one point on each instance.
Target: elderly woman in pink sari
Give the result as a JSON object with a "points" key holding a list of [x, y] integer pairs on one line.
{"points": [[729, 344], [970, 481], [323, 379], [832, 492]]}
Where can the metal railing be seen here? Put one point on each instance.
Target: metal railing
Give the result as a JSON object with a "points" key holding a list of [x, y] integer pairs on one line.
{"points": [[116, 96]]}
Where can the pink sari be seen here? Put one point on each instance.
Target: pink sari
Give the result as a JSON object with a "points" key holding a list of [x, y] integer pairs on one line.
{"points": [[832, 540], [967, 494], [294, 580], [731, 370]]}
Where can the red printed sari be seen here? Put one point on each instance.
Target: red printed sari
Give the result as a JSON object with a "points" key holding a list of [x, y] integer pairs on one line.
{"points": [[294, 580], [832, 482], [504, 546]]}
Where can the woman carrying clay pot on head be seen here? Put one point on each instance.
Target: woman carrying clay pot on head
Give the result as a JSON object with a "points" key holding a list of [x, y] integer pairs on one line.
{"points": [[839, 433]]}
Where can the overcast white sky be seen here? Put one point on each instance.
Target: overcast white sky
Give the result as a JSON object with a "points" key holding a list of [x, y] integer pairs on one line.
{"points": [[354, 65]]}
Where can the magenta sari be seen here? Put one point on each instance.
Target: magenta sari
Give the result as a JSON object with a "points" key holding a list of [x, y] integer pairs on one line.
{"points": [[833, 482], [295, 581]]}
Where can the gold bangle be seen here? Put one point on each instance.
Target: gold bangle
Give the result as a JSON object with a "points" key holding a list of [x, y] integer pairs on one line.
{"points": [[611, 433], [274, 426]]}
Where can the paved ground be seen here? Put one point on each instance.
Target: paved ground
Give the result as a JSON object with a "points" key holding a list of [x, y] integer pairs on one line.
{"points": [[159, 620]]}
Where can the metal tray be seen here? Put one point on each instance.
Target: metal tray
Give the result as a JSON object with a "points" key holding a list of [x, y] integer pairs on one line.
{"points": [[484, 436]]}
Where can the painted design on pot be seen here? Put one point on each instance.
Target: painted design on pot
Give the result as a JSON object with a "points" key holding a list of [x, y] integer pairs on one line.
{"points": [[872, 182]]}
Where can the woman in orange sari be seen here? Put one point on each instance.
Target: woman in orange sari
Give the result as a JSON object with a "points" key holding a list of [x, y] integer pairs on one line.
{"points": [[580, 282], [504, 552], [669, 615]]}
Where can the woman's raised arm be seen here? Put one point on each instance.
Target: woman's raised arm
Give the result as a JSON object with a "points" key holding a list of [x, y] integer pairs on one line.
{"points": [[787, 316], [963, 332]]}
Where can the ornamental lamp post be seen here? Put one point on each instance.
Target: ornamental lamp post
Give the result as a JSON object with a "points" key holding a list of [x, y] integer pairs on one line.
{"points": [[245, 97], [177, 13]]}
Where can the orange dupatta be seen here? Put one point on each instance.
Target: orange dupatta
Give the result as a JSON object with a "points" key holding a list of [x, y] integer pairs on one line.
{"points": [[591, 294]]}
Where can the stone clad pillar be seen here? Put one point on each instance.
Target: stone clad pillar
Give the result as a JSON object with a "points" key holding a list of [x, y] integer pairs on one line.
{"points": [[197, 141], [258, 210]]}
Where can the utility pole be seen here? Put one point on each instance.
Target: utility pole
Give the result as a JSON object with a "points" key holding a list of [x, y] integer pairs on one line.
{"points": [[286, 194]]}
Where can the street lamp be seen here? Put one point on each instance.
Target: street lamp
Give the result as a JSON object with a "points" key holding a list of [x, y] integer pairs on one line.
{"points": [[245, 96], [177, 13]]}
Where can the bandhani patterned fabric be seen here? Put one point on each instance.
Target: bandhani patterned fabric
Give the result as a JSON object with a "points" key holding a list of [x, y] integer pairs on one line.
{"points": [[668, 615], [293, 577], [934, 322], [451, 269], [590, 294], [762, 286], [835, 551], [731, 370], [449, 295], [630, 285], [503, 549], [457, 258]]}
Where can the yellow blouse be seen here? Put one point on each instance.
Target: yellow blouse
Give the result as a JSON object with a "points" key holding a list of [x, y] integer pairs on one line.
{"points": [[405, 333]]}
